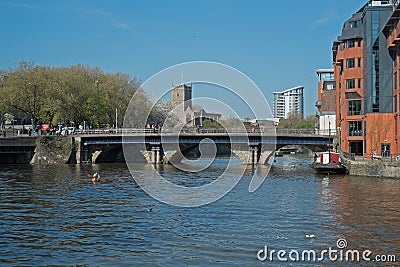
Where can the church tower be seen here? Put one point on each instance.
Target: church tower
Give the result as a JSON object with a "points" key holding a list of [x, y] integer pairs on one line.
{"points": [[182, 102]]}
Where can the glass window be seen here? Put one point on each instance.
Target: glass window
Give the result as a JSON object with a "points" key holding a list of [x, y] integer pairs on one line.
{"points": [[353, 24], [327, 77], [385, 150], [375, 26], [355, 128], [354, 107], [350, 63], [341, 46], [359, 84], [350, 43], [359, 62], [375, 81], [359, 43], [395, 104], [395, 80], [350, 84]]}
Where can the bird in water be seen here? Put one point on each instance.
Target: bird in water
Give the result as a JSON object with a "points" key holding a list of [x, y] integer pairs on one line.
{"points": [[309, 235]]}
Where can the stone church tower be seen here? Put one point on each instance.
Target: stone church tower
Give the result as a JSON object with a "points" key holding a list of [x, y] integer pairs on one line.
{"points": [[182, 102]]}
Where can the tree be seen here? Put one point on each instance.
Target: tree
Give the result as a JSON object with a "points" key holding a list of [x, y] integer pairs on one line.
{"points": [[69, 95], [296, 121]]}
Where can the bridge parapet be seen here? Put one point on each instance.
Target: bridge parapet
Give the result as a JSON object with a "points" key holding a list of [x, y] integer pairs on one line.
{"points": [[194, 131]]}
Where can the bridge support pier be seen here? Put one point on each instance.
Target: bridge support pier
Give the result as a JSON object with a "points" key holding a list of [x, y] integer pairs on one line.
{"points": [[249, 155], [77, 141], [265, 155], [153, 154], [95, 155], [254, 154], [156, 155], [172, 156]]}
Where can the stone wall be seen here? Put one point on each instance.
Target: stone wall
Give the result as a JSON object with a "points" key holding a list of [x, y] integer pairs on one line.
{"points": [[372, 168], [54, 150]]}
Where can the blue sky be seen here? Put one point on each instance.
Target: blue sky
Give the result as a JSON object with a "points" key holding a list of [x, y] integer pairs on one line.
{"points": [[278, 44]]}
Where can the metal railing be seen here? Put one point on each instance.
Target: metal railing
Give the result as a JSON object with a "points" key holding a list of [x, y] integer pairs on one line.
{"points": [[278, 131]]}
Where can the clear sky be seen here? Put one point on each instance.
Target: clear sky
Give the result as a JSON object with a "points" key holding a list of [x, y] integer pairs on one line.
{"points": [[278, 44]]}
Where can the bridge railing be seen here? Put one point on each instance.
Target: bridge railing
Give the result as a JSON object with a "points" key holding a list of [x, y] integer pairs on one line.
{"points": [[206, 131]]}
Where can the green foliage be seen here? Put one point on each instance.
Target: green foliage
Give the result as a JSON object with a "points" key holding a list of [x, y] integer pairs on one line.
{"points": [[296, 121], [208, 124], [67, 94]]}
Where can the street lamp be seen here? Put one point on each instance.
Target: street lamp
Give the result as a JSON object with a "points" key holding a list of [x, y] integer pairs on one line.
{"points": [[70, 109]]}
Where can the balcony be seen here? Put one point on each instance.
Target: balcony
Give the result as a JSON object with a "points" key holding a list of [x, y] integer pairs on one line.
{"points": [[394, 37], [356, 133]]}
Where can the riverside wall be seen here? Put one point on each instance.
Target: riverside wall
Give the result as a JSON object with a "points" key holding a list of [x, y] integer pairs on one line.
{"points": [[372, 168], [54, 150]]}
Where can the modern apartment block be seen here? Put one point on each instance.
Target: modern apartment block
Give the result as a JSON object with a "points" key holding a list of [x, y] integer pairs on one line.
{"points": [[392, 33], [288, 102], [363, 75], [326, 104]]}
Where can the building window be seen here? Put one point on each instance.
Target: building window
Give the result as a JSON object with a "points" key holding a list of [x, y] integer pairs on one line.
{"points": [[350, 43], [341, 46], [354, 107], [395, 80], [353, 24], [355, 128], [359, 62], [385, 150], [350, 84], [395, 104], [359, 83], [359, 43], [375, 80], [350, 63], [327, 76]]}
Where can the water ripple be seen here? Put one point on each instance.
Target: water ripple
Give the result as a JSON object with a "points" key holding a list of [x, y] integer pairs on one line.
{"points": [[53, 215]]}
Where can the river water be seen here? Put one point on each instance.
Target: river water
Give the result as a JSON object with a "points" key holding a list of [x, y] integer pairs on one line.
{"points": [[53, 215]]}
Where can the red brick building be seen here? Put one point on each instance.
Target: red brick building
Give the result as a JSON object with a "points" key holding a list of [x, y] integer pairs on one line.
{"points": [[364, 110]]}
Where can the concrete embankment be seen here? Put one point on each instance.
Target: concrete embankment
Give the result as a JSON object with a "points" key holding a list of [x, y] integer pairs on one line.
{"points": [[16, 150], [372, 168]]}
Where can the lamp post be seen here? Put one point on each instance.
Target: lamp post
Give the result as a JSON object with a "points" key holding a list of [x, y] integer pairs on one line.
{"points": [[116, 120], [70, 109]]}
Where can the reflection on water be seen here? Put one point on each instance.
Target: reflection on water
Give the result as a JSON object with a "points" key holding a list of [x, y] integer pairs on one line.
{"points": [[54, 215]]}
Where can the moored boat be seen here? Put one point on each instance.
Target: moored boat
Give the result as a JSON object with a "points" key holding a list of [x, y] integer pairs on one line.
{"points": [[329, 163]]}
